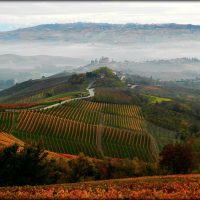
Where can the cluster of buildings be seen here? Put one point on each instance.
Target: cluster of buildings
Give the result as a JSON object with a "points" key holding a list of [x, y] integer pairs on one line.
{"points": [[102, 60]]}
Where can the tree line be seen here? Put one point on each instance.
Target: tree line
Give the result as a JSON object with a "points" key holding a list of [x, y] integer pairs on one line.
{"points": [[31, 166]]}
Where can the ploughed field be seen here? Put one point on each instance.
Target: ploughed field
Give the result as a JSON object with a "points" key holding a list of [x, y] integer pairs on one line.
{"points": [[97, 129], [158, 187]]}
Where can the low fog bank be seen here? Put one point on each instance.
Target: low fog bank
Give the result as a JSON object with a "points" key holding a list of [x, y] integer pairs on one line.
{"points": [[23, 61], [89, 51]]}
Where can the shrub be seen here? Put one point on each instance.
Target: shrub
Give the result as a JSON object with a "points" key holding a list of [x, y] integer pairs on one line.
{"points": [[82, 168], [177, 158], [123, 168]]}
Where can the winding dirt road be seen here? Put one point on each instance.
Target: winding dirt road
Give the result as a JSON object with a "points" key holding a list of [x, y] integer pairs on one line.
{"points": [[91, 94]]}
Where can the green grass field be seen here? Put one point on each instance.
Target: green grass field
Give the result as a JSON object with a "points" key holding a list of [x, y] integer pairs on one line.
{"points": [[156, 99]]}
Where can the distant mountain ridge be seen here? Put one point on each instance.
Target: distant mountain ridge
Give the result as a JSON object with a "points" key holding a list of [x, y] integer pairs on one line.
{"points": [[103, 33]]}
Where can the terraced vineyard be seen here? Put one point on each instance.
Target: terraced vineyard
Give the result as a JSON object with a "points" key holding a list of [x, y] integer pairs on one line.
{"points": [[7, 139], [95, 113], [58, 134], [6, 120], [97, 129]]}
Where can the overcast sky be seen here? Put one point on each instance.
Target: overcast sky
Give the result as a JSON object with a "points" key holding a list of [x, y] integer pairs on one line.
{"points": [[23, 14]]}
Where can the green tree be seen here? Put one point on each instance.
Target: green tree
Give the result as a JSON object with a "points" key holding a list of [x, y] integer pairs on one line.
{"points": [[28, 166], [8, 165]]}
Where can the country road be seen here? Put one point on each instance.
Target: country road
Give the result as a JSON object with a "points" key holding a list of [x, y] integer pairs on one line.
{"points": [[91, 94]]}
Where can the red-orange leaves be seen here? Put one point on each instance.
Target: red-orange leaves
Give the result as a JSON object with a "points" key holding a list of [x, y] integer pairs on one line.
{"points": [[166, 187]]}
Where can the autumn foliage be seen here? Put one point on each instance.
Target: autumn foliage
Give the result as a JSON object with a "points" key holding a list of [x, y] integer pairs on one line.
{"points": [[164, 187], [177, 158], [17, 105]]}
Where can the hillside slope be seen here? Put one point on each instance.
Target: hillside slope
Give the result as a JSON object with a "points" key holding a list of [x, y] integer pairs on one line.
{"points": [[116, 136], [109, 124], [41, 89], [97, 129], [7, 139], [58, 85]]}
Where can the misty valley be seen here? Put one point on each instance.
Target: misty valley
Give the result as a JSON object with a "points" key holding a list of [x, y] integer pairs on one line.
{"points": [[100, 111]]}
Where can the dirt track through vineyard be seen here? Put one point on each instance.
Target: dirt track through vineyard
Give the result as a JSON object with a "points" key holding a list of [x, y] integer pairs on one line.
{"points": [[91, 94], [99, 135]]}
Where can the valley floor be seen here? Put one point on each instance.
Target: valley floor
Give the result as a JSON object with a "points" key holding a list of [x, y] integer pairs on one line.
{"points": [[156, 187]]}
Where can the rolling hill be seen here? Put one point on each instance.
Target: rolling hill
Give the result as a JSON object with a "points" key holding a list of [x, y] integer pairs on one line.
{"points": [[39, 89], [82, 126], [106, 125]]}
